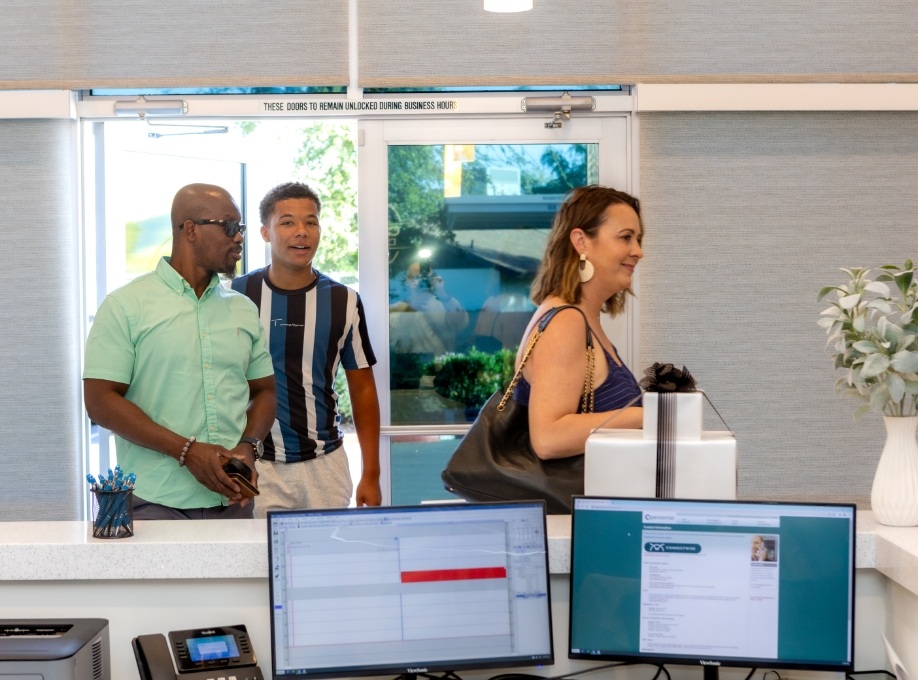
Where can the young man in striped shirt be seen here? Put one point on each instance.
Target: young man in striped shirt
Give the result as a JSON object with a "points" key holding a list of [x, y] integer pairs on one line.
{"points": [[313, 325]]}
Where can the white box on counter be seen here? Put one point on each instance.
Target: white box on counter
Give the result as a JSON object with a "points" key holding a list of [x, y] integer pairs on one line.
{"points": [[698, 464]]}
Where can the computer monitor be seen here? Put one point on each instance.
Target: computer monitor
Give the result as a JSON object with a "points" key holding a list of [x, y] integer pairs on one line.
{"points": [[713, 583], [408, 590]]}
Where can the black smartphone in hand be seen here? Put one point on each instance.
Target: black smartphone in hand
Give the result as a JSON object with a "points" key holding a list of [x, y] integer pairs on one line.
{"points": [[239, 472]]}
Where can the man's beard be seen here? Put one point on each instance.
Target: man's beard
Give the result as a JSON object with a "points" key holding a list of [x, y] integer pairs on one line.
{"points": [[229, 268]]}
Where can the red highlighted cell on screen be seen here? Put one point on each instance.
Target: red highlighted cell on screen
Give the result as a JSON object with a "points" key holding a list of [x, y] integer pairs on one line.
{"points": [[453, 574]]}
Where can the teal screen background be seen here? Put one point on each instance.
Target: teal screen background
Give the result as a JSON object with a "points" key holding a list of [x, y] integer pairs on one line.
{"points": [[606, 588], [813, 623]]}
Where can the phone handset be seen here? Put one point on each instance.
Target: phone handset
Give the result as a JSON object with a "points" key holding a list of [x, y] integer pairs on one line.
{"points": [[154, 662]]}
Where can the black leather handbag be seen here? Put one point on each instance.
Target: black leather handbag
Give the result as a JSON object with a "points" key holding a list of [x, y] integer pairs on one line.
{"points": [[495, 461]]}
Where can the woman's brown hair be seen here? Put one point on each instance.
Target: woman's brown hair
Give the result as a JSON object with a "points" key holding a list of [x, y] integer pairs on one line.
{"points": [[583, 208]]}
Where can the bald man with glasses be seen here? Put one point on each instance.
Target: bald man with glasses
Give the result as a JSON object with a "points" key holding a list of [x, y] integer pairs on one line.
{"points": [[177, 367]]}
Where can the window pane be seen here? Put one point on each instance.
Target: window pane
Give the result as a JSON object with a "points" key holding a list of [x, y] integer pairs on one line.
{"points": [[416, 463], [142, 164], [467, 229]]}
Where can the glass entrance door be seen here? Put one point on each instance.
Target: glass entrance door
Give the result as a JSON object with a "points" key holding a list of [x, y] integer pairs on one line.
{"points": [[454, 239]]}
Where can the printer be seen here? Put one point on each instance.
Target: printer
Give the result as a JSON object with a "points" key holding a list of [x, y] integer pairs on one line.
{"points": [[54, 649]]}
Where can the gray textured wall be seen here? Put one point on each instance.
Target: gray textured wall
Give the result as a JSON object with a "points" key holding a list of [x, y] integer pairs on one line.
{"points": [[171, 43], [40, 408], [558, 42], [748, 215], [232, 43]]}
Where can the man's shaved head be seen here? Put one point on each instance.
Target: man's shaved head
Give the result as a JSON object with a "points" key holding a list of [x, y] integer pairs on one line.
{"points": [[201, 202]]}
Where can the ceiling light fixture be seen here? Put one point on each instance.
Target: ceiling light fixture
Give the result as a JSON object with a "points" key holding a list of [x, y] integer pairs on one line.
{"points": [[507, 5]]}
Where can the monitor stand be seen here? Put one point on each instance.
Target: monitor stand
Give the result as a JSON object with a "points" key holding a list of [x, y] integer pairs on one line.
{"points": [[711, 672]]}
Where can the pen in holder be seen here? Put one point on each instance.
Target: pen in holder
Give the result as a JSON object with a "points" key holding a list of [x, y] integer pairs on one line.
{"points": [[112, 505]]}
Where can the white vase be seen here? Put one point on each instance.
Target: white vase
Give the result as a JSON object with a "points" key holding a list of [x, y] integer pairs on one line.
{"points": [[894, 497]]}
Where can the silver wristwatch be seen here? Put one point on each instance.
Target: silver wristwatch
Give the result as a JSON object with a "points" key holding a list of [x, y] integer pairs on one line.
{"points": [[258, 446]]}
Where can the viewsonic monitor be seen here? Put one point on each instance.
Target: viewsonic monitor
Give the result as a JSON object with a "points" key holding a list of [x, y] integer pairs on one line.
{"points": [[408, 590], [713, 583]]}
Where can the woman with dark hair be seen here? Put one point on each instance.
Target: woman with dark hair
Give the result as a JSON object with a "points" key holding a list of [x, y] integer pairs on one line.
{"points": [[589, 262]]}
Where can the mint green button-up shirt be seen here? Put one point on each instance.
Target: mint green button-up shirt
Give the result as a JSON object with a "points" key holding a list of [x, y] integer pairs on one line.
{"points": [[187, 362]]}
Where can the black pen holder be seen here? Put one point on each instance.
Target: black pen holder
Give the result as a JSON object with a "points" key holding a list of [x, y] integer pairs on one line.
{"points": [[113, 514]]}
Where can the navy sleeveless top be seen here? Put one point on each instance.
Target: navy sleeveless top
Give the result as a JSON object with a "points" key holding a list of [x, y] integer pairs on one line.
{"points": [[615, 392]]}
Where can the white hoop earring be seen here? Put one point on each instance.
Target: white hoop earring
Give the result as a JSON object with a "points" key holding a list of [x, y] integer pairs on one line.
{"points": [[586, 269]]}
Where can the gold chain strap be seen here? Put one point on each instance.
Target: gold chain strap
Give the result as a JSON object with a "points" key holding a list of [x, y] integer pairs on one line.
{"points": [[519, 371], [587, 400], [589, 394]]}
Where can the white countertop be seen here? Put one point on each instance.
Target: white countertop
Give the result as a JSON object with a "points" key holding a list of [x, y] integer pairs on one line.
{"points": [[892, 551], [221, 549], [198, 549], [65, 551]]}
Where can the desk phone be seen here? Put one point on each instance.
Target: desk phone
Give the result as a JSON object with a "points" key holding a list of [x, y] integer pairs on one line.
{"points": [[222, 652]]}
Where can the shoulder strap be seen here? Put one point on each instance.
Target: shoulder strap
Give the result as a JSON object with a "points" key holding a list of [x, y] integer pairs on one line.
{"points": [[586, 401], [550, 314]]}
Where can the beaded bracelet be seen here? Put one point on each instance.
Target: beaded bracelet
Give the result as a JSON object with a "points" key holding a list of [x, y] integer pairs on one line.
{"points": [[181, 460]]}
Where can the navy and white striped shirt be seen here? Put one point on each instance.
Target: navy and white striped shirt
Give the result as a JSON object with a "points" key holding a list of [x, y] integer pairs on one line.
{"points": [[310, 333]]}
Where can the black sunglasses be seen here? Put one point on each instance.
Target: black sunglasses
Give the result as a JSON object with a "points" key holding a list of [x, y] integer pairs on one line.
{"points": [[231, 227]]}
